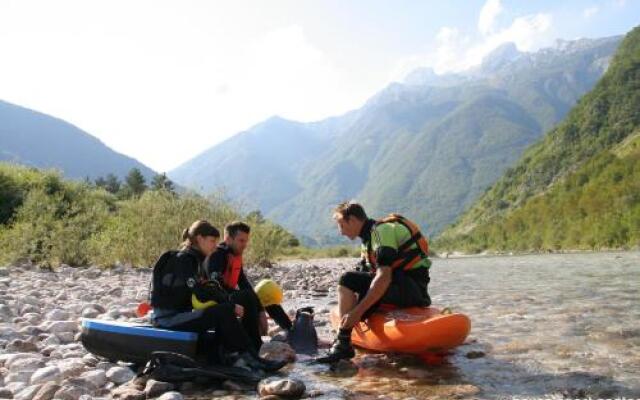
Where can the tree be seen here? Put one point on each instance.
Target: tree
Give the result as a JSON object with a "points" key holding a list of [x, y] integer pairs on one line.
{"points": [[100, 182], [135, 184], [161, 182], [112, 184]]}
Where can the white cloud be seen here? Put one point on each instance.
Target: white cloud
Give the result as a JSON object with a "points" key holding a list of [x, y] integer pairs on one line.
{"points": [[162, 82], [488, 15], [456, 50], [590, 12]]}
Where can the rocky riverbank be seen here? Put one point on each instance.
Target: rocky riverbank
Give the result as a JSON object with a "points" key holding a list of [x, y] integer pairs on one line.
{"points": [[40, 311], [552, 326]]}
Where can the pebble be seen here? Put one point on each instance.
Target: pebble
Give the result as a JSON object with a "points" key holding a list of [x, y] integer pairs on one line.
{"points": [[281, 387]]}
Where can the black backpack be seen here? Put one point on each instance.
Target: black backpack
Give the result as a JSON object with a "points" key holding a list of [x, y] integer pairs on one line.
{"points": [[163, 278]]}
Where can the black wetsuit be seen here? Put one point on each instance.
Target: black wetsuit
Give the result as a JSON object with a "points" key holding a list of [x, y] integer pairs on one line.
{"points": [[175, 311], [244, 295]]}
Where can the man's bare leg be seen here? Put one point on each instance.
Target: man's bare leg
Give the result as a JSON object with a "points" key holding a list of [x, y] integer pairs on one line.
{"points": [[347, 300]]}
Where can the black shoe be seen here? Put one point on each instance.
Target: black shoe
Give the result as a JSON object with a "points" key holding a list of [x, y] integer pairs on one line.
{"points": [[341, 350], [256, 362]]}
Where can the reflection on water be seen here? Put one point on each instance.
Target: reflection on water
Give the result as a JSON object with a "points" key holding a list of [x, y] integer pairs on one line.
{"points": [[555, 326]]}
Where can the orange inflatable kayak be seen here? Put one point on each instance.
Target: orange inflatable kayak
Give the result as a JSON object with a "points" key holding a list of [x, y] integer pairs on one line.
{"points": [[415, 330]]}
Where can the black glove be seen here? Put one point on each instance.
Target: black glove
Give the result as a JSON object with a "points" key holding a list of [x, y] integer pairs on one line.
{"points": [[210, 290]]}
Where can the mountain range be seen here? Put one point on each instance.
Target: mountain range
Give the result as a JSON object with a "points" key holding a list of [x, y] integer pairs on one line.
{"points": [[427, 147]]}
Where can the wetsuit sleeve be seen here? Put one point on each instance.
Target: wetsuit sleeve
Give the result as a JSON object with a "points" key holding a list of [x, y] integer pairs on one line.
{"points": [[216, 264], [384, 244], [244, 284]]}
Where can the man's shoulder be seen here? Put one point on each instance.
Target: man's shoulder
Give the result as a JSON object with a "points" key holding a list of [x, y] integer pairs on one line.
{"points": [[219, 256]]}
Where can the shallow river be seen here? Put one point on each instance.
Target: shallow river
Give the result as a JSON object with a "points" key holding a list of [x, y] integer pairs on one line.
{"points": [[543, 326]]}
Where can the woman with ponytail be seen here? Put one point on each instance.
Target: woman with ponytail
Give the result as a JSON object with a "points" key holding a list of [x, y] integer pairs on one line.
{"points": [[181, 278]]}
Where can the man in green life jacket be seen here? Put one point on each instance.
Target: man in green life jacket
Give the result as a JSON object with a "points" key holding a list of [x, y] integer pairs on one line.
{"points": [[394, 271]]}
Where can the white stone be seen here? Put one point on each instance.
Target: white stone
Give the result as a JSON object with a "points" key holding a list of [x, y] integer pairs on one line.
{"points": [[97, 377], [60, 326], [15, 387], [71, 367], [57, 315], [171, 396], [26, 364], [22, 376], [120, 375], [47, 374], [27, 393]]}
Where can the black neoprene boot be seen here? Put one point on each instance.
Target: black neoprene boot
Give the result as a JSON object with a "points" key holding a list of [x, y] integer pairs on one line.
{"points": [[340, 350]]}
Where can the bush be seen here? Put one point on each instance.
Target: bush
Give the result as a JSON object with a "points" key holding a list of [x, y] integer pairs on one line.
{"points": [[49, 221]]}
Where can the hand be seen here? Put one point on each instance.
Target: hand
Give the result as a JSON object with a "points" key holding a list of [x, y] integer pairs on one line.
{"points": [[350, 320], [263, 323], [239, 311]]}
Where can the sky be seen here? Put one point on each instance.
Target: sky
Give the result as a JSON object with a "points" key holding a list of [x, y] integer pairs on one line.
{"points": [[162, 81]]}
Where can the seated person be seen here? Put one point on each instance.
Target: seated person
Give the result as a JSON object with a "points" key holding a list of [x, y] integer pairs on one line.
{"points": [[394, 270], [178, 277], [225, 265]]}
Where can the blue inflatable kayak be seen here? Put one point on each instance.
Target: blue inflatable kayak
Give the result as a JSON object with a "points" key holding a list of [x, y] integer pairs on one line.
{"points": [[122, 341]]}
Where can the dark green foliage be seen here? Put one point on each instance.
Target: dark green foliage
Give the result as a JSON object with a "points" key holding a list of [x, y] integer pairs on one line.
{"points": [[50, 221], [161, 182], [112, 184], [134, 184], [578, 187]]}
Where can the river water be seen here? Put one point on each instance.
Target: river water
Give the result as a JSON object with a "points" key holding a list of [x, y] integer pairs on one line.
{"points": [[543, 326]]}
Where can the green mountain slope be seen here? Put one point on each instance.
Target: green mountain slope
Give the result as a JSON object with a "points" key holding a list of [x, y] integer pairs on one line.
{"points": [[577, 188]]}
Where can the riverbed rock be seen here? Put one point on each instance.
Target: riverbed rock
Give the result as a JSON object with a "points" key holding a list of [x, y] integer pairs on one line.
{"points": [[21, 346], [97, 378], [277, 351], [60, 326], [47, 374], [57, 314], [15, 387], [171, 396], [71, 367], [291, 388], [70, 393], [47, 391], [120, 375], [155, 388], [27, 393], [26, 364], [15, 377], [128, 393]]}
